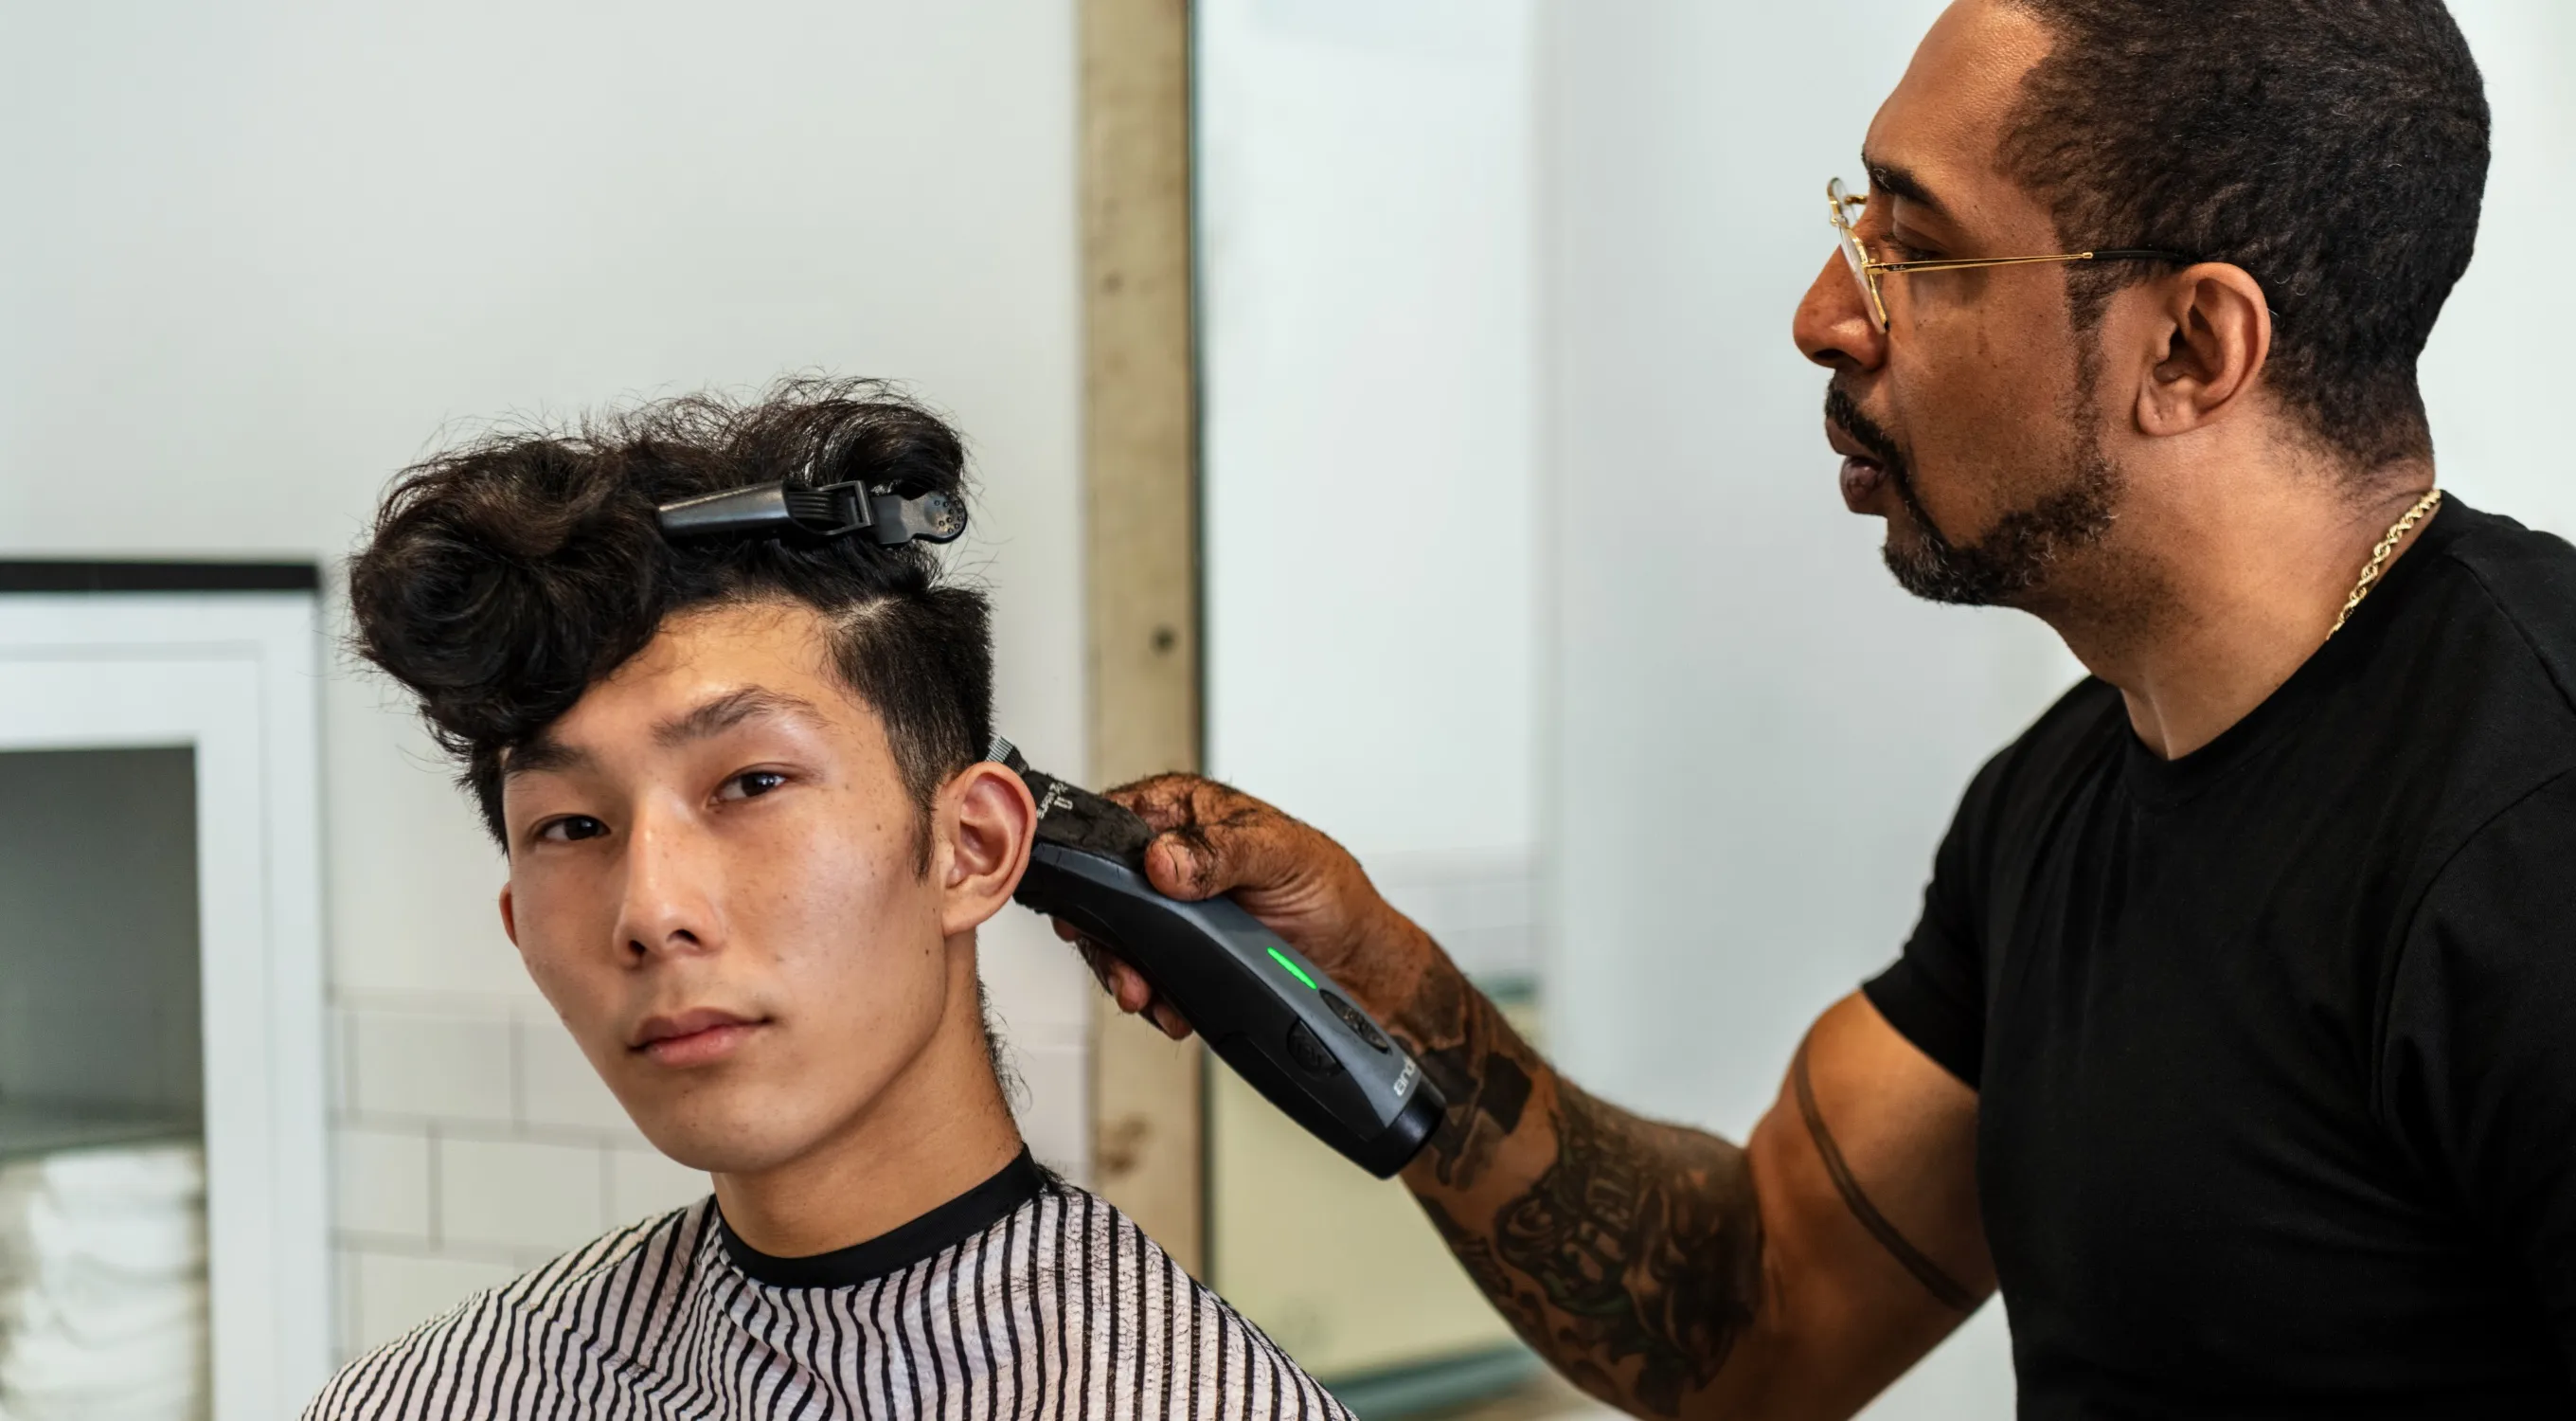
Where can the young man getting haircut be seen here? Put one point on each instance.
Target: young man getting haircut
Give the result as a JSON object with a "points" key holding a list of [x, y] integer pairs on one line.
{"points": [[751, 833]]}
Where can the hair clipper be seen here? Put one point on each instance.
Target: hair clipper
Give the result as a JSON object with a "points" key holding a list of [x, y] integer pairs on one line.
{"points": [[1276, 1018]]}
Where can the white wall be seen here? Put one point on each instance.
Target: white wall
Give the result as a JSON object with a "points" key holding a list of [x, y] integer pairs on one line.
{"points": [[1368, 304], [2498, 365], [1756, 737], [260, 256]]}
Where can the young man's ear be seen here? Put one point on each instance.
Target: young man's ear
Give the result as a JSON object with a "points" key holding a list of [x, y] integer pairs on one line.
{"points": [[985, 821], [2211, 333], [509, 916]]}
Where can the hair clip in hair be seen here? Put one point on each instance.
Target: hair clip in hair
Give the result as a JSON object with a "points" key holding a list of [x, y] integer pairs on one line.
{"points": [[781, 510]]}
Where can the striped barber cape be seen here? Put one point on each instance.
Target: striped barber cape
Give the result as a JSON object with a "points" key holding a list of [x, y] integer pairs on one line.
{"points": [[1022, 1298]]}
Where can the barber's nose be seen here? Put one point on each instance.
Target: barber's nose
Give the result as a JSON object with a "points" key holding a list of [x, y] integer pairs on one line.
{"points": [[1833, 326], [667, 908]]}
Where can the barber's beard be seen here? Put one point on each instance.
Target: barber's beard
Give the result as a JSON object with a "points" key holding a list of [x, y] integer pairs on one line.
{"points": [[2013, 560]]}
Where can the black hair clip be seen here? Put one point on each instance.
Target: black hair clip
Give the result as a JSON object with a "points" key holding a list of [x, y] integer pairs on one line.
{"points": [[781, 510]]}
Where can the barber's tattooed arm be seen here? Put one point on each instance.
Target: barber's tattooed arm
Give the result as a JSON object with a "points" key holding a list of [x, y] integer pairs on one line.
{"points": [[1665, 1270], [1642, 1258], [1633, 1258]]}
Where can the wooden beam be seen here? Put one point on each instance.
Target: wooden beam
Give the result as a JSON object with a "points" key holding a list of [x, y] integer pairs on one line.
{"points": [[1140, 470]]}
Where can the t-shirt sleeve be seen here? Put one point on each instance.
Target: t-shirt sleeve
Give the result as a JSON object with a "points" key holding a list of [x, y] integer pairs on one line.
{"points": [[1935, 994], [2479, 1062]]}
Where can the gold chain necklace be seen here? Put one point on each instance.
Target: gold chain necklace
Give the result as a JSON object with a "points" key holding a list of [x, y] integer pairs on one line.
{"points": [[2379, 556]]}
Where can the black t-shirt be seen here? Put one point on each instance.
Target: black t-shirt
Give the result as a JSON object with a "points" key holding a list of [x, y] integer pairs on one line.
{"points": [[2275, 1044]]}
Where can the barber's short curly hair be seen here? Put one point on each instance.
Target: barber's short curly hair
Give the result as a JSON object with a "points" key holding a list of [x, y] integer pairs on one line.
{"points": [[507, 576], [2335, 149]]}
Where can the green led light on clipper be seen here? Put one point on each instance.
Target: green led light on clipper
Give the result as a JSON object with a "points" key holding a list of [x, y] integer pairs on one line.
{"points": [[1279, 1020]]}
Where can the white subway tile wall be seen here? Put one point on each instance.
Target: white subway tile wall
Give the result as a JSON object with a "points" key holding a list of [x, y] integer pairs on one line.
{"points": [[642, 1181], [514, 1194], [443, 1067], [557, 1085], [383, 1184], [384, 1295], [473, 1142]]}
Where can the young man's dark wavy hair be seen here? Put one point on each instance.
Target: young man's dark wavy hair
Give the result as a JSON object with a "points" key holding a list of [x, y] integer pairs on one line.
{"points": [[2335, 149], [507, 576]]}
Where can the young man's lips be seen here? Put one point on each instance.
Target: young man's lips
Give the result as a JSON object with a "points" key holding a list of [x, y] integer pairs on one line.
{"points": [[694, 1038]]}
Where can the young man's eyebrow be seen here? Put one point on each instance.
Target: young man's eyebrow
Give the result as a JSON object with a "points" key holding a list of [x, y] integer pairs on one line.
{"points": [[1897, 180], [717, 716], [541, 754]]}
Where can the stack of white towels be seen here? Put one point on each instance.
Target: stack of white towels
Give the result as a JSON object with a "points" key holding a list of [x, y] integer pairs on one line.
{"points": [[103, 1285]]}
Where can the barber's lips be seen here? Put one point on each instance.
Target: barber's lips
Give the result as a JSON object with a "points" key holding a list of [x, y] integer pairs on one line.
{"points": [[695, 1038], [1862, 479], [1864, 473]]}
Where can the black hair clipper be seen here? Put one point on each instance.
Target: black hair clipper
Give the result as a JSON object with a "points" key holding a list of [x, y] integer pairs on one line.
{"points": [[1268, 1012]]}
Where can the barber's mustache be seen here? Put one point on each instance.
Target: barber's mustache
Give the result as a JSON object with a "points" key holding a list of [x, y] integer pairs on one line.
{"points": [[1844, 413]]}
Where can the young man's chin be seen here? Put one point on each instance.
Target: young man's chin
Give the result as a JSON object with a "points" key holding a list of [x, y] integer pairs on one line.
{"points": [[724, 1122], [722, 1141]]}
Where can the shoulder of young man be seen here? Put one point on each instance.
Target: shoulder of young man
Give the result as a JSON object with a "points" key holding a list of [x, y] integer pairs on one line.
{"points": [[437, 1368], [1274, 1386]]}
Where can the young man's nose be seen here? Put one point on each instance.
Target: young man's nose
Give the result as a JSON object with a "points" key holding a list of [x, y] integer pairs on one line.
{"points": [[669, 904], [1833, 326]]}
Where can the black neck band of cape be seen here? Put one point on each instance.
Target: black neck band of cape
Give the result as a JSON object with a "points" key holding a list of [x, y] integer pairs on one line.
{"points": [[902, 1246]]}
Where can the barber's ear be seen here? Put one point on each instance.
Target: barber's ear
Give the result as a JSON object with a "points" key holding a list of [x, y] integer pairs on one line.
{"points": [[2211, 334], [985, 821]]}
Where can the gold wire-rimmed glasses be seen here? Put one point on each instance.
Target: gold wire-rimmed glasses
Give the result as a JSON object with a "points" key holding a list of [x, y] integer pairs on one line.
{"points": [[1846, 205]]}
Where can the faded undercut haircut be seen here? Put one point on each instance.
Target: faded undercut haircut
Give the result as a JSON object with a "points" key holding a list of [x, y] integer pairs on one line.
{"points": [[2334, 149], [507, 576]]}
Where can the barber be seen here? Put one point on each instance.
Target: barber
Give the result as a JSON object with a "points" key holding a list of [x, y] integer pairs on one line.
{"points": [[2236, 1041]]}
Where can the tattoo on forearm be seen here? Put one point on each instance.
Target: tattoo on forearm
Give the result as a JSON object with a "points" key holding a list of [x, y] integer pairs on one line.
{"points": [[1639, 1245], [1646, 1242], [1521, 1306], [1931, 1275], [1482, 1069]]}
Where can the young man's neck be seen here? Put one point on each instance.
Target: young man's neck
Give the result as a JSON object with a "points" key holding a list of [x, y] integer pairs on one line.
{"points": [[940, 1128], [2210, 603]]}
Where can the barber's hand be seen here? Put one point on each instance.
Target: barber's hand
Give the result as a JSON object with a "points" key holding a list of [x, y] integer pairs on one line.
{"points": [[1212, 839]]}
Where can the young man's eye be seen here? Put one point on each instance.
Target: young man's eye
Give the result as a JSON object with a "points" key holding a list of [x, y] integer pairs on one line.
{"points": [[570, 828], [751, 784]]}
